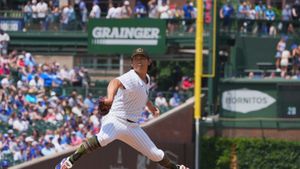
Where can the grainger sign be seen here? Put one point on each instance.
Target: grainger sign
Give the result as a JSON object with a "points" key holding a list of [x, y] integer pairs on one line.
{"points": [[111, 36]]}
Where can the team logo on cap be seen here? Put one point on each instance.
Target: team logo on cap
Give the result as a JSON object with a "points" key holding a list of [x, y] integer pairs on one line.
{"points": [[140, 50]]}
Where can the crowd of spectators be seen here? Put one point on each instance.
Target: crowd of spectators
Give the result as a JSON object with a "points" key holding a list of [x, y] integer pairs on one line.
{"points": [[31, 102], [288, 59], [168, 100], [287, 62], [176, 96], [261, 17], [74, 16], [253, 16]]}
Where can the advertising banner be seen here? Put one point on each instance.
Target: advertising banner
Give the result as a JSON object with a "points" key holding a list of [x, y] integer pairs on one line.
{"points": [[122, 36], [11, 24], [245, 100]]}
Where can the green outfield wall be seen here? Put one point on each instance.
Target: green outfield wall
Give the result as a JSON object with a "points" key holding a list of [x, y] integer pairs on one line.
{"points": [[260, 103], [250, 50]]}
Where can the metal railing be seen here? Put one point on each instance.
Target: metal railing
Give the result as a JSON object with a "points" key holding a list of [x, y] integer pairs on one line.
{"points": [[259, 27], [53, 23], [11, 14]]}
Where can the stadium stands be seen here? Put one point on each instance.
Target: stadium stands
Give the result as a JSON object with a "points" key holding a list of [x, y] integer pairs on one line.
{"points": [[30, 113]]}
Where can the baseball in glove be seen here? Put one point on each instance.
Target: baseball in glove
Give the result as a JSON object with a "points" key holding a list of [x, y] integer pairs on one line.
{"points": [[103, 108]]}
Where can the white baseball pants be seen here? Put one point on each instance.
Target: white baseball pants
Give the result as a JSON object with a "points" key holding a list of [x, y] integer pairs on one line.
{"points": [[113, 128]]}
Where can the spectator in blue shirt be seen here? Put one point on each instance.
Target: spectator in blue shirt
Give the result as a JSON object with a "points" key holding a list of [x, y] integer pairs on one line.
{"points": [[84, 14], [270, 16], [260, 14], [243, 13], [31, 96], [188, 10], [65, 139], [47, 79], [175, 100], [189, 14], [27, 12], [55, 3], [286, 13], [226, 13], [3, 116], [243, 10], [29, 61], [139, 10], [33, 151], [88, 102], [57, 84], [19, 101], [260, 10], [286, 16], [80, 131]]}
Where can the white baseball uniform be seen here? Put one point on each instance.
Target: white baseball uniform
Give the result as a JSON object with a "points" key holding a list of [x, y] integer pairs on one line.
{"points": [[120, 122]]}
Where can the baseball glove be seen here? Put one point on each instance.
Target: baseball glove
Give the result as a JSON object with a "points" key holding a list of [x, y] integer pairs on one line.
{"points": [[103, 108]]}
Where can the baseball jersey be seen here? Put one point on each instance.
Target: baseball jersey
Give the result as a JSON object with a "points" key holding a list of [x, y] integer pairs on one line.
{"points": [[130, 101]]}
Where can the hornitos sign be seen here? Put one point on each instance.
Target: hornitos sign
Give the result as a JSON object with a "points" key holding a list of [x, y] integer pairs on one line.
{"points": [[110, 36], [245, 100]]}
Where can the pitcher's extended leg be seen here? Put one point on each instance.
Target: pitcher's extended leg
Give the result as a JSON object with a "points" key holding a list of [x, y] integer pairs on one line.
{"points": [[86, 147], [139, 140]]}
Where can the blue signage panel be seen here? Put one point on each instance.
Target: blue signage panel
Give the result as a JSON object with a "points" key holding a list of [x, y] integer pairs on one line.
{"points": [[11, 24]]}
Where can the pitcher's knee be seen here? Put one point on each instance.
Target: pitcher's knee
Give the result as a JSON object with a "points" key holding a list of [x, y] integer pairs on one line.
{"points": [[155, 155], [104, 139]]}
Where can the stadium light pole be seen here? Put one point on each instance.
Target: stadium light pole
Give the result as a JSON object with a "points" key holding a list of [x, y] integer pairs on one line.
{"points": [[198, 77]]}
